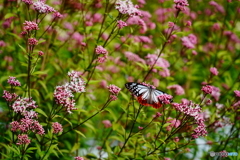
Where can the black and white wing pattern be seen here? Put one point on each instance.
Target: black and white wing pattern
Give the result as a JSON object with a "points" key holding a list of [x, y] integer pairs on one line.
{"points": [[146, 95]]}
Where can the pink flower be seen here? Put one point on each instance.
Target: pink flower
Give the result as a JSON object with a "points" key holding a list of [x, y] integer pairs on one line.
{"points": [[165, 98], [40, 53], [218, 7], [57, 15], [237, 93], [30, 114], [107, 123], [194, 52], [215, 93], [214, 71], [216, 27], [189, 23], [78, 158], [22, 104], [140, 128], [114, 89], [181, 4], [133, 57], [101, 50], [29, 26], [23, 139], [158, 114], [136, 20], [174, 123], [170, 24], [32, 41], [76, 84], [113, 97], [178, 89], [102, 59], [9, 97], [13, 82], [190, 41], [121, 24], [127, 7], [176, 139], [43, 8], [207, 89], [14, 126], [57, 127], [28, 2]]}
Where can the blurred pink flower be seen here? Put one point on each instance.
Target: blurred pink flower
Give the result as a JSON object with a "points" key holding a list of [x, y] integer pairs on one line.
{"points": [[214, 71], [43, 8], [100, 50], [78, 158], [121, 24], [215, 93], [40, 53], [140, 128], [218, 7], [178, 89], [181, 4], [133, 57], [237, 93], [107, 123], [28, 2], [127, 7], [9, 97], [190, 41]]}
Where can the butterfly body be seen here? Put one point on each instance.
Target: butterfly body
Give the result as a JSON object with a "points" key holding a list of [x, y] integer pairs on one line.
{"points": [[146, 95]]}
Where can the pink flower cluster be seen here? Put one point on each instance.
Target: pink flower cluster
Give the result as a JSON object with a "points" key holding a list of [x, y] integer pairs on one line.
{"points": [[181, 4], [193, 110], [161, 62], [207, 89], [214, 71], [133, 57], [101, 51], [9, 97], [127, 7], [121, 24], [23, 139], [29, 26], [27, 124], [13, 82], [43, 8], [22, 104], [57, 127], [28, 2], [136, 20], [174, 123], [237, 93], [64, 94], [78, 158], [165, 98], [32, 41], [189, 41], [178, 89], [114, 90]]}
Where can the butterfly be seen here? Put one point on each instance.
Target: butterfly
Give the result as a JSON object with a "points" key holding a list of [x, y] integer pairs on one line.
{"points": [[146, 95]]}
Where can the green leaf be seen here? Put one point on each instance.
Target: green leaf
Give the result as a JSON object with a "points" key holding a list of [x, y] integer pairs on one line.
{"points": [[9, 15], [22, 48], [80, 133], [41, 112]]}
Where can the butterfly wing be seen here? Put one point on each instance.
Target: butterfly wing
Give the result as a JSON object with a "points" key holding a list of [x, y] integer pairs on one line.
{"points": [[146, 96]]}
